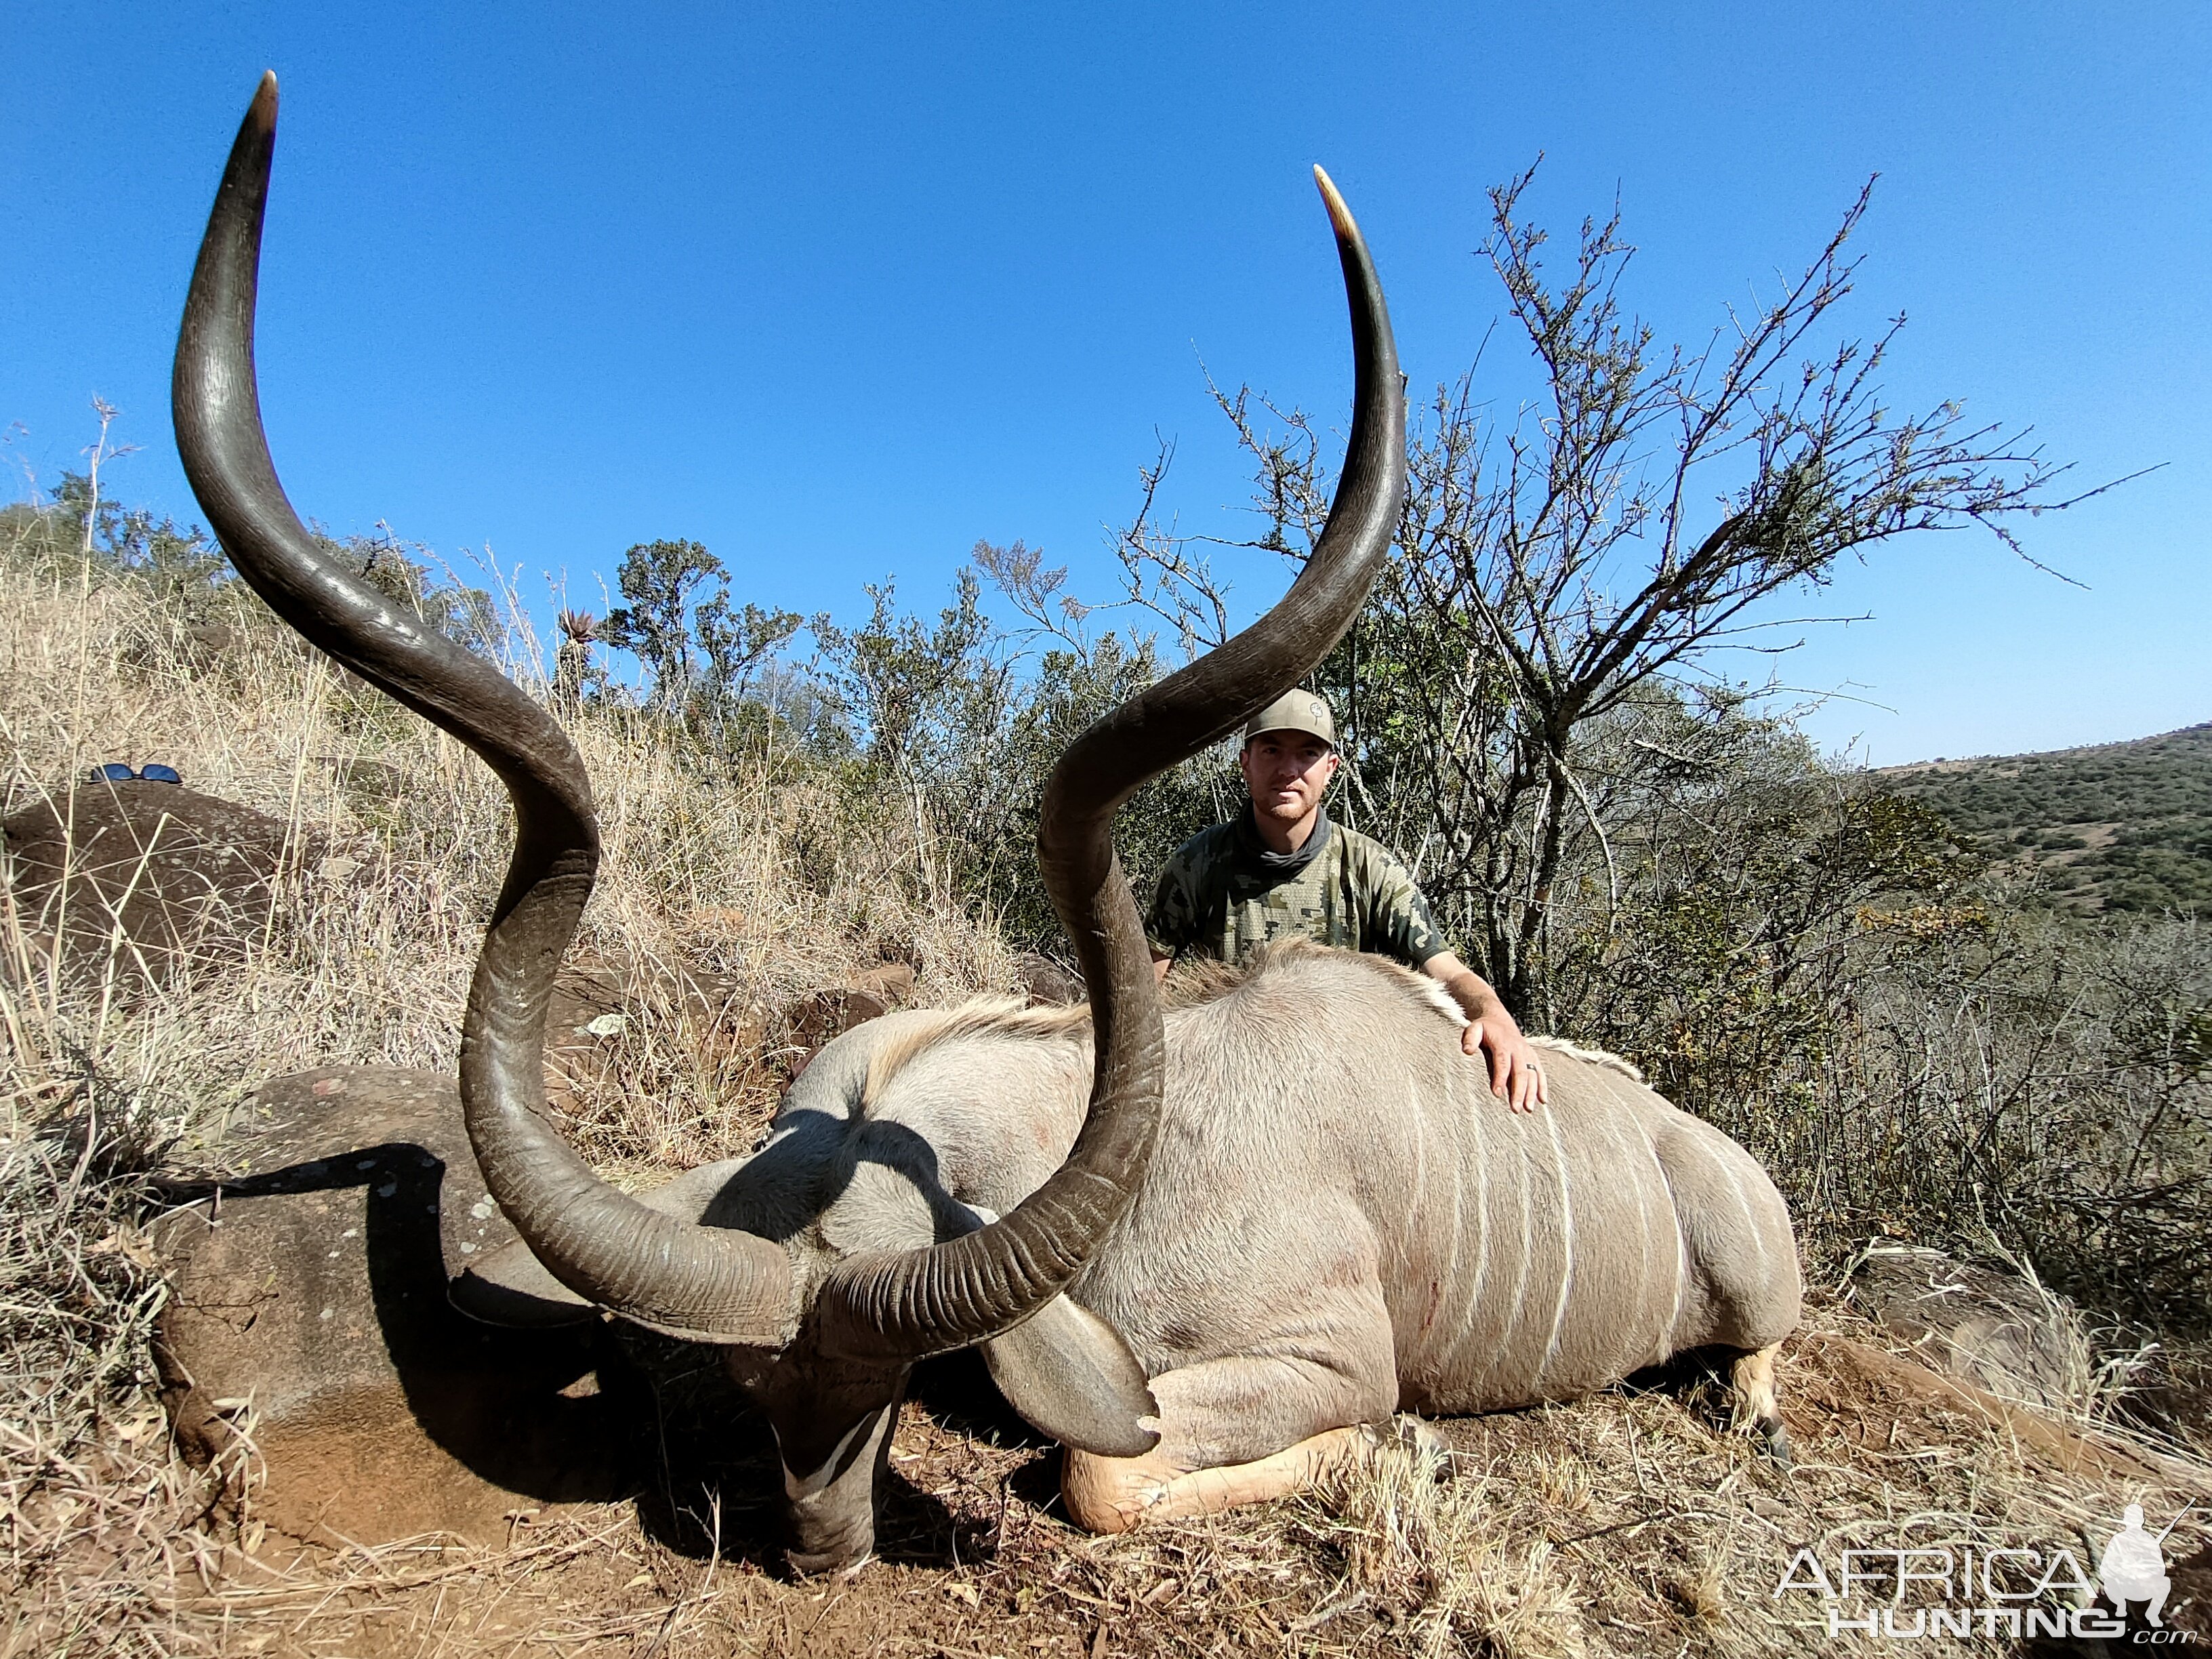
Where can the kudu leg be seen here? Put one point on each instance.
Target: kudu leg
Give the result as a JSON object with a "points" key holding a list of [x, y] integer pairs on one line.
{"points": [[1757, 1408], [1210, 1414], [1113, 1494]]}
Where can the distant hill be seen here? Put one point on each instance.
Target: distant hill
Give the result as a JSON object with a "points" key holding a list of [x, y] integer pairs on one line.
{"points": [[2121, 826]]}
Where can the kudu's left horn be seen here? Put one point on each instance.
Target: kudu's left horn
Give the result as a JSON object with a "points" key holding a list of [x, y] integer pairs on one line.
{"points": [[945, 1296], [707, 1283]]}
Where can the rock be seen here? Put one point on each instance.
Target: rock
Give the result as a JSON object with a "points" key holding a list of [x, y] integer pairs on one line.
{"points": [[176, 874], [1046, 982], [709, 1019], [2189, 1604], [202, 645], [819, 1015], [167, 644], [891, 984], [308, 1312], [366, 782], [867, 994], [2175, 1400], [1879, 1389], [1989, 1327]]}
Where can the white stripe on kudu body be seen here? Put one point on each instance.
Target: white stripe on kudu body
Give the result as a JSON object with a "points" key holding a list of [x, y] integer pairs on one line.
{"points": [[1514, 1155], [1469, 1311], [1566, 1252]]}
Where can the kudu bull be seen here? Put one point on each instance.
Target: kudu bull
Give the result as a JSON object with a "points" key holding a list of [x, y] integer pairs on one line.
{"points": [[1208, 1250]]}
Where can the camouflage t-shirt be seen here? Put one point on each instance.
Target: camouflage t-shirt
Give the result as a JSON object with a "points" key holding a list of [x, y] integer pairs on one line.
{"points": [[1216, 899]]}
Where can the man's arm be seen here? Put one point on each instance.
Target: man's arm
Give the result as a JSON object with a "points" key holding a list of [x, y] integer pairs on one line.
{"points": [[1516, 1075], [1404, 926]]}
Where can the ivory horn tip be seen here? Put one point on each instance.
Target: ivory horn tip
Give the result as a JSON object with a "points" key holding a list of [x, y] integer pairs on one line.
{"points": [[1339, 215]]}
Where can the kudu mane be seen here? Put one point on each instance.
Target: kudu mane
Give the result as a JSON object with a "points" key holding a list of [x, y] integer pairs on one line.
{"points": [[1194, 984]]}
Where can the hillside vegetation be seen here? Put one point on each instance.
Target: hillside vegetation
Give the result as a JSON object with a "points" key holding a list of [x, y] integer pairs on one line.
{"points": [[2122, 827]]}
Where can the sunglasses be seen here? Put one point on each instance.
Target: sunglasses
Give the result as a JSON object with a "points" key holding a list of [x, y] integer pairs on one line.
{"points": [[117, 772]]}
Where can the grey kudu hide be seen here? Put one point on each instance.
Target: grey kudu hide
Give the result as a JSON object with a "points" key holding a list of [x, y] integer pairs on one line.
{"points": [[1185, 1242]]}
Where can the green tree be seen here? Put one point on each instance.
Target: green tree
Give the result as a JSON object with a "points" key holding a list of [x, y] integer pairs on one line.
{"points": [[408, 572], [176, 561], [659, 579], [703, 652]]}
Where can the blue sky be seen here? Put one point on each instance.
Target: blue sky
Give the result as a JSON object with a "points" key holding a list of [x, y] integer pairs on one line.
{"points": [[838, 290]]}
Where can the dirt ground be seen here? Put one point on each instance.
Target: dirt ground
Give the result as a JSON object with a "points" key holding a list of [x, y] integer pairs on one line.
{"points": [[1631, 1523]]}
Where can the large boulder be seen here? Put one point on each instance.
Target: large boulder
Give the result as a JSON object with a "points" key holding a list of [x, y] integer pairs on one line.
{"points": [[815, 1018], [147, 875], [1990, 1326], [308, 1315]]}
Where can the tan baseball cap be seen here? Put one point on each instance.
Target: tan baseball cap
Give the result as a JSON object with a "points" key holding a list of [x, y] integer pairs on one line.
{"points": [[1295, 711]]}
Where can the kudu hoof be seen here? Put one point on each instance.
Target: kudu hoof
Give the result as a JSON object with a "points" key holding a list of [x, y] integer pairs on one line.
{"points": [[1416, 1438], [1774, 1440]]}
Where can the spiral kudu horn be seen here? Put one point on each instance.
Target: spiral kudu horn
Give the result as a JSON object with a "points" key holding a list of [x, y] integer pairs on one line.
{"points": [[948, 1295], [701, 1282]]}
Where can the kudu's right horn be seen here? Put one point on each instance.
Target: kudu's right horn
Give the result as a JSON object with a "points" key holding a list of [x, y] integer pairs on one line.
{"points": [[949, 1295], [688, 1280]]}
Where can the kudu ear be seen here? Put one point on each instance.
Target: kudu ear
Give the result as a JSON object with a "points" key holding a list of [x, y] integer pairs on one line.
{"points": [[511, 1287], [1069, 1374]]}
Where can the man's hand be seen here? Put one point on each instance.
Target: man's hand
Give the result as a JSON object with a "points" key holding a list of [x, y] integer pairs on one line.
{"points": [[1517, 1076]]}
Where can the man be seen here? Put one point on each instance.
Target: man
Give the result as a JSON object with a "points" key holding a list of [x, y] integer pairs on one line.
{"points": [[1281, 869]]}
